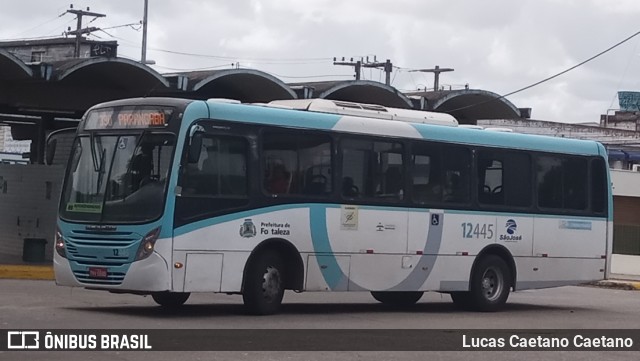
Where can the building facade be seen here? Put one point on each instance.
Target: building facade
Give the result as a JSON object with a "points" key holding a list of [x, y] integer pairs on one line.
{"points": [[50, 50]]}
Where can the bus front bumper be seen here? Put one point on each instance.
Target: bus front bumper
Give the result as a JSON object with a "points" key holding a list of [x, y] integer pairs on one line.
{"points": [[149, 275]]}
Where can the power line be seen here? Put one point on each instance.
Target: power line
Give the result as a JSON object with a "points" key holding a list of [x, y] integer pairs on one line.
{"points": [[230, 65], [34, 38], [623, 76], [306, 76], [287, 61], [37, 26], [42, 36], [253, 60], [553, 76], [131, 25]]}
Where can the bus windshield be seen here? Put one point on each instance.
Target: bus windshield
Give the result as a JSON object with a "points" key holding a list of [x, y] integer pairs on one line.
{"points": [[117, 178]]}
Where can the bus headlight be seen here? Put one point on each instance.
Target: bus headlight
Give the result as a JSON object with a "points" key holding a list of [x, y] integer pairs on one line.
{"points": [[60, 244], [148, 244]]}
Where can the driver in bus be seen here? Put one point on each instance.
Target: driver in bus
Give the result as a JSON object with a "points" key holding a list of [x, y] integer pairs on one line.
{"points": [[142, 166]]}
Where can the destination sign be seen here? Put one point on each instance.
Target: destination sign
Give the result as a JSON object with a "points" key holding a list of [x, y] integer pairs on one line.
{"points": [[127, 118]]}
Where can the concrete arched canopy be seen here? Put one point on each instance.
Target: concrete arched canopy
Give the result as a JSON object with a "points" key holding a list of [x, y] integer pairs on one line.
{"points": [[470, 105], [245, 85], [110, 73], [360, 91], [12, 68]]}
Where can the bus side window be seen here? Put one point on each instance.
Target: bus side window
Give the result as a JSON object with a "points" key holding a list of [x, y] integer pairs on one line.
{"points": [[221, 169], [490, 179], [549, 181], [296, 164], [373, 168], [426, 179], [575, 183], [456, 167], [191, 177], [598, 186]]}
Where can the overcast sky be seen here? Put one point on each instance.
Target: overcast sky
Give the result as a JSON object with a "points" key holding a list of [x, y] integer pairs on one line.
{"points": [[494, 45]]}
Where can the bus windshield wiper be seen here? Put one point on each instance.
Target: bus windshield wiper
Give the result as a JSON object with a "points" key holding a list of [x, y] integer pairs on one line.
{"points": [[100, 169], [94, 156]]}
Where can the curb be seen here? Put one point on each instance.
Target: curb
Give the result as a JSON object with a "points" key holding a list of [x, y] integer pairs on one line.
{"points": [[26, 272], [617, 284]]}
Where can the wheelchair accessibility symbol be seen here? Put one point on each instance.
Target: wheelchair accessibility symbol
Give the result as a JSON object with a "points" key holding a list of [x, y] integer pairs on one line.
{"points": [[435, 219]]}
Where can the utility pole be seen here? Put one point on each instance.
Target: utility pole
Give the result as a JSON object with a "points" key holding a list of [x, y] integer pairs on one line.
{"points": [[143, 58], [387, 67], [357, 65], [436, 75], [79, 31]]}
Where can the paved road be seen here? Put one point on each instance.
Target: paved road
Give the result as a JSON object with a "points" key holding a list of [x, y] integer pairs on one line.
{"points": [[41, 304]]}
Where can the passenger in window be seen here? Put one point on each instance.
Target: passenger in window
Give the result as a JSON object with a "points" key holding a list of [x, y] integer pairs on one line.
{"points": [[452, 190], [349, 189], [278, 180], [394, 182]]}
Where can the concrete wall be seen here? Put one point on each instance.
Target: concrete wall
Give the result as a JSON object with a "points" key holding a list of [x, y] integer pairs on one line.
{"points": [[625, 183], [625, 266], [626, 191], [29, 196], [52, 52]]}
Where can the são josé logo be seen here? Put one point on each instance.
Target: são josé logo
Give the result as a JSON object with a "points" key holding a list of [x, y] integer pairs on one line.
{"points": [[512, 227]]}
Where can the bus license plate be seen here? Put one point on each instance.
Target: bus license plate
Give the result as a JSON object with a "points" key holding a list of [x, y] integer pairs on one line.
{"points": [[97, 272]]}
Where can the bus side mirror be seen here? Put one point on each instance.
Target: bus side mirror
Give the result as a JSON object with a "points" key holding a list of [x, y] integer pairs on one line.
{"points": [[195, 144]]}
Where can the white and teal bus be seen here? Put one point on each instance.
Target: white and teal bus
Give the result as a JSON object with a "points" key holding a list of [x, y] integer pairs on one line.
{"points": [[166, 197]]}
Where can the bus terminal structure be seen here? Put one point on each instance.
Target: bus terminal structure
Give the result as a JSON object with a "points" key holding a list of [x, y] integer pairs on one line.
{"points": [[39, 98]]}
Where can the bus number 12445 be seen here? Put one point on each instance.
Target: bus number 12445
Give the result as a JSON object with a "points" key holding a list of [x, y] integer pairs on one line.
{"points": [[477, 230]]}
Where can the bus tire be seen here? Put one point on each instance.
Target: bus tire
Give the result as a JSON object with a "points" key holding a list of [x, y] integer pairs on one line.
{"points": [[490, 284], [264, 284], [402, 298], [170, 299]]}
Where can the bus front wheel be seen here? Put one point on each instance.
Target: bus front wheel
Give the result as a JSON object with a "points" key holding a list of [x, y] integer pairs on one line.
{"points": [[403, 298], [170, 299], [489, 287], [264, 284]]}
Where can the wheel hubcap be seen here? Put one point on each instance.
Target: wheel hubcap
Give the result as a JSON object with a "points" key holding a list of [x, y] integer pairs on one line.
{"points": [[271, 285], [492, 284]]}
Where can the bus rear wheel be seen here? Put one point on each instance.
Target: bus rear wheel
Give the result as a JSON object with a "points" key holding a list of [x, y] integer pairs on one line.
{"points": [[170, 299], [264, 284], [402, 298], [490, 285]]}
